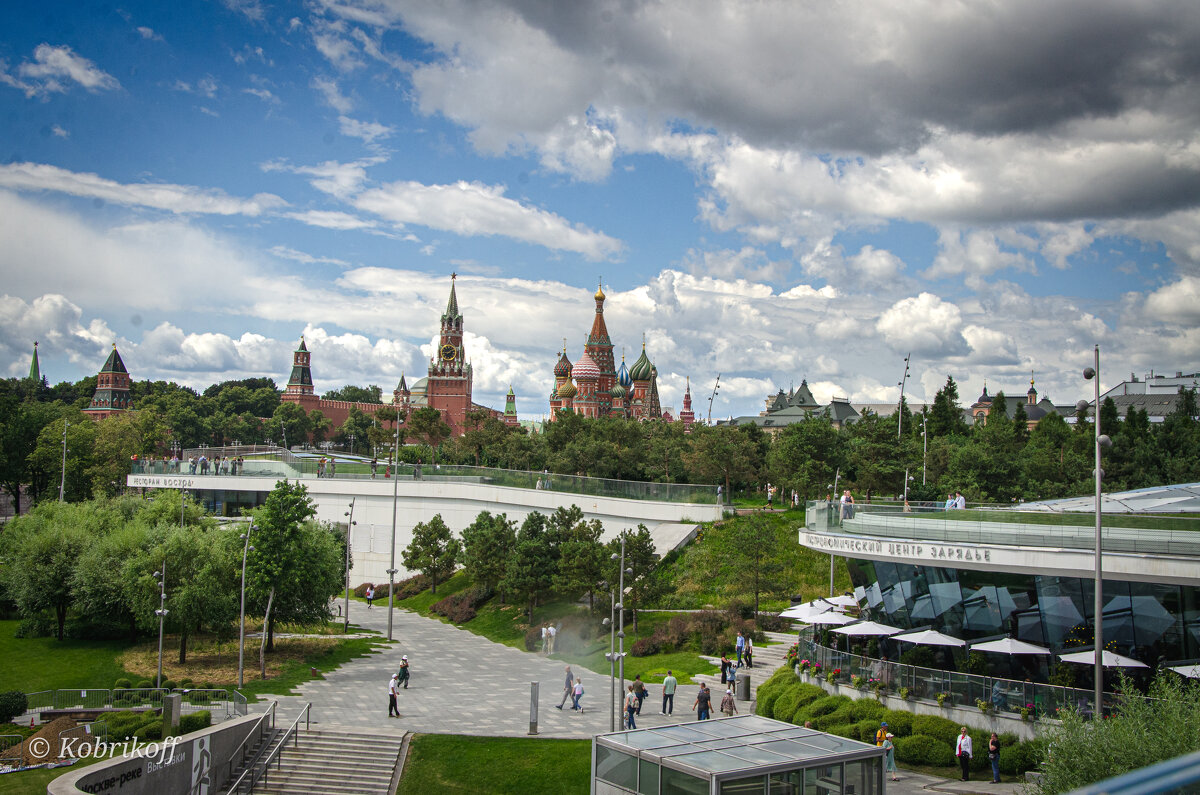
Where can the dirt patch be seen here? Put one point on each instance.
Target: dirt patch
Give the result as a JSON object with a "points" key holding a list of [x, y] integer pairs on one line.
{"points": [[217, 664], [42, 745]]}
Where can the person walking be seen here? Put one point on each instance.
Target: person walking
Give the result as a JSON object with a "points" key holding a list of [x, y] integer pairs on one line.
{"points": [[404, 673], [631, 702], [741, 647], [962, 749], [889, 759], [994, 757], [728, 704], [545, 638], [578, 694], [370, 596], [392, 708], [703, 702], [669, 685], [568, 688], [639, 690], [748, 652], [374, 467], [882, 734], [552, 635]]}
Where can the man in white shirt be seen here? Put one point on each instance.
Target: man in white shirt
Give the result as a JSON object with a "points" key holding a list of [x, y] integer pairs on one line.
{"points": [[962, 749], [392, 708], [552, 633], [669, 685], [960, 502]]}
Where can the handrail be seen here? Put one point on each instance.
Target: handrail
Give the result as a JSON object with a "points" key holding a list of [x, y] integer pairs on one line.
{"points": [[256, 732], [292, 732]]}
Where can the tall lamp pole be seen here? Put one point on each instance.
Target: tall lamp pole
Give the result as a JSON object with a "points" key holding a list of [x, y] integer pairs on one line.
{"points": [[62, 481], [349, 531], [611, 623], [924, 444], [246, 548], [1093, 374], [716, 386], [621, 617], [395, 497], [900, 405], [161, 612]]}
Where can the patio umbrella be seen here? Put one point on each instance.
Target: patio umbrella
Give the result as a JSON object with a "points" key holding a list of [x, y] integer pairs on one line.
{"points": [[841, 601], [930, 637], [1109, 660], [1010, 646], [830, 618], [1190, 671], [867, 628]]}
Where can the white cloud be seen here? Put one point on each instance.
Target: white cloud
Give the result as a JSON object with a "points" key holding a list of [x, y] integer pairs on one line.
{"points": [[53, 68], [60, 132], [180, 199], [925, 325], [263, 94], [368, 131], [340, 180], [149, 34], [747, 263], [331, 219], [58, 326], [975, 253], [284, 252], [472, 208], [1178, 302], [250, 9], [332, 95]]}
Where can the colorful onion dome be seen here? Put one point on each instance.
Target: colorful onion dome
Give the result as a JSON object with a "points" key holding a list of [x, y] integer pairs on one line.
{"points": [[567, 390], [642, 368], [623, 377], [618, 392], [599, 293], [563, 368], [586, 368]]}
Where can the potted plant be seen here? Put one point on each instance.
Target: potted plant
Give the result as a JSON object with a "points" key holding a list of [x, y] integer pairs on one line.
{"points": [[1026, 712], [878, 687], [904, 693], [984, 705], [857, 682], [941, 699]]}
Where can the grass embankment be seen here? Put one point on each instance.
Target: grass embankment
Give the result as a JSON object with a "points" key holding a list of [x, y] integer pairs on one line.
{"points": [[33, 664], [453, 763]]}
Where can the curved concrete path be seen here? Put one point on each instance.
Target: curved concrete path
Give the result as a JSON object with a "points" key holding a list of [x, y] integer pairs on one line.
{"points": [[463, 684]]}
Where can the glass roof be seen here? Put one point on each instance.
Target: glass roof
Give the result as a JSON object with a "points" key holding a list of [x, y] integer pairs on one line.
{"points": [[740, 742]]}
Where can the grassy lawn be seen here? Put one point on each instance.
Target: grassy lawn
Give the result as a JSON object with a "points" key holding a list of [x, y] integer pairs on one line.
{"points": [[33, 664], [453, 763], [33, 782]]}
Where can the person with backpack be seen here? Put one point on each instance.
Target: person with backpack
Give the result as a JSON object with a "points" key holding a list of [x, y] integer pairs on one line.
{"points": [[639, 690], [404, 673], [728, 705]]}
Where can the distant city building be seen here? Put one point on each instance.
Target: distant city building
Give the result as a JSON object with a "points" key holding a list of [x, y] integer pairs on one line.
{"points": [[797, 405], [593, 387], [1035, 409], [1157, 395], [447, 387], [112, 388], [35, 367]]}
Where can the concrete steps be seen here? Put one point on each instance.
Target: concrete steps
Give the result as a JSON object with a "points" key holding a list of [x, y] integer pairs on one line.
{"points": [[335, 763], [767, 660]]}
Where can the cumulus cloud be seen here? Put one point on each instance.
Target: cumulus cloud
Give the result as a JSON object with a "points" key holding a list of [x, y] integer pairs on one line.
{"points": [[1178, 302], [331, 93], [473, 208], [53, 69], [925, 325], [368, 131], [340, 180], [58, 326]]}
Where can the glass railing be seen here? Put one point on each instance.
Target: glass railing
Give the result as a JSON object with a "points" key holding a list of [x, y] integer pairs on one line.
{"points": [[278, 464], [1020, 698], [999, 526]]}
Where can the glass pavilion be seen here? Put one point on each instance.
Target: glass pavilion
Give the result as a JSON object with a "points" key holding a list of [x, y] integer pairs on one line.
{"points": [[737, 755]]}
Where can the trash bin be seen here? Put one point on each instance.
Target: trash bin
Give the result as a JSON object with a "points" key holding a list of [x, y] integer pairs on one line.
{"points": [[743, 687]]}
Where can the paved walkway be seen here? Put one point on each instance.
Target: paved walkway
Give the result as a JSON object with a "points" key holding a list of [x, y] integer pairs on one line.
{"points": [[463, 683]]}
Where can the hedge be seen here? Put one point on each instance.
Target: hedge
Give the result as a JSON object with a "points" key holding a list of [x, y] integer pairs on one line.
{"points": [[12, 704], [195, 721], [921, 749], [785, 706], [1016, 759]]}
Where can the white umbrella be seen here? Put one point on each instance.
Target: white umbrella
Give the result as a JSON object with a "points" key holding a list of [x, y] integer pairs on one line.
{"points": [[1010, 646], [867, 628], [1190, 671], [840, 601], [1109, 660], [831, 618], [930, 637]]}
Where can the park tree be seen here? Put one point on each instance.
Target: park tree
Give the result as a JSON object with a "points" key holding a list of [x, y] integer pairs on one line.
{"points": [[665, 443], [105, 580], [806, 455], [945, 417], [38, 559], [296, 564], [319, 426], [433, 551], [118, 439], [46, 470], [580, 553], [356, 394], [427, 426], [645, 584], [874, 456], [358, 426], [21, 421], [487, 545], [289, 424], [752, 556], [721, 455], [530, 572]]}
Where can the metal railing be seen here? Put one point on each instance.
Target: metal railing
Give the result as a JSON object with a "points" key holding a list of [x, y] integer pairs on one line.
{"points": [[278, 465], [999, 527], [222, 703], [957, 689], [260, 772], [10, 741], [96, 730], [238, 757]]}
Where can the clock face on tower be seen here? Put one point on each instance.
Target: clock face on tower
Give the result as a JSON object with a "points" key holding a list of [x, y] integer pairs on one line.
{"points": [[448, 353]]}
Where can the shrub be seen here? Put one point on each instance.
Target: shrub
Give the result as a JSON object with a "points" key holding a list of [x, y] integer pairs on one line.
{"points": [[122, 684], [866, 709], [865, 731], [938, 728], [824, 706], [644, 647], [899, 723], [123, 724], [150, 731], [921, 749], [361, 591], [12, 704], [144, 684], [533, 639], [405, 588], [169, 684], [195, 722], [185, 682], [847, 730], [1016, 759], [769, 622], [839, 717], [784, 706]]}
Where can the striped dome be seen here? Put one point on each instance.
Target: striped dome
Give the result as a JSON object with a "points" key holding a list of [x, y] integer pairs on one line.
{"points": [[567, 390], [623, 377], [618, 392], [585, 368], [642, 368], [563, 368]]}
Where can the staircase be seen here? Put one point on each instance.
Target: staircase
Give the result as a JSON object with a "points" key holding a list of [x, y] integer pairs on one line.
{"points": [[335, 763], [767, 660]]}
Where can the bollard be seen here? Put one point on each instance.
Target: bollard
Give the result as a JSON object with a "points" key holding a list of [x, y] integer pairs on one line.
{"points": [[533, 707], [743, 687], [171, 709]]}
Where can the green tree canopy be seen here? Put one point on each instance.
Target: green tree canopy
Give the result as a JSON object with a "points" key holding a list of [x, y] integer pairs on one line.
{"points": [[434, 551], [487, 544]]}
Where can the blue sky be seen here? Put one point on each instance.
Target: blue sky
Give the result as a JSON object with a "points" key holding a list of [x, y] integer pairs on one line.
{"points": [[773, 192]]}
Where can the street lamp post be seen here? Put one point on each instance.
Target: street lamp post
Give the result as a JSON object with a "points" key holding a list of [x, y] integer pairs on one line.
{"points": [[351, 438], [900, 405], [924, 444], [246, 548], [349, 531], [621, 618], [395, 498], [161, 612], [611, 623], [1093, 374], [62, 481], [182, 505], [716, 386]]}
